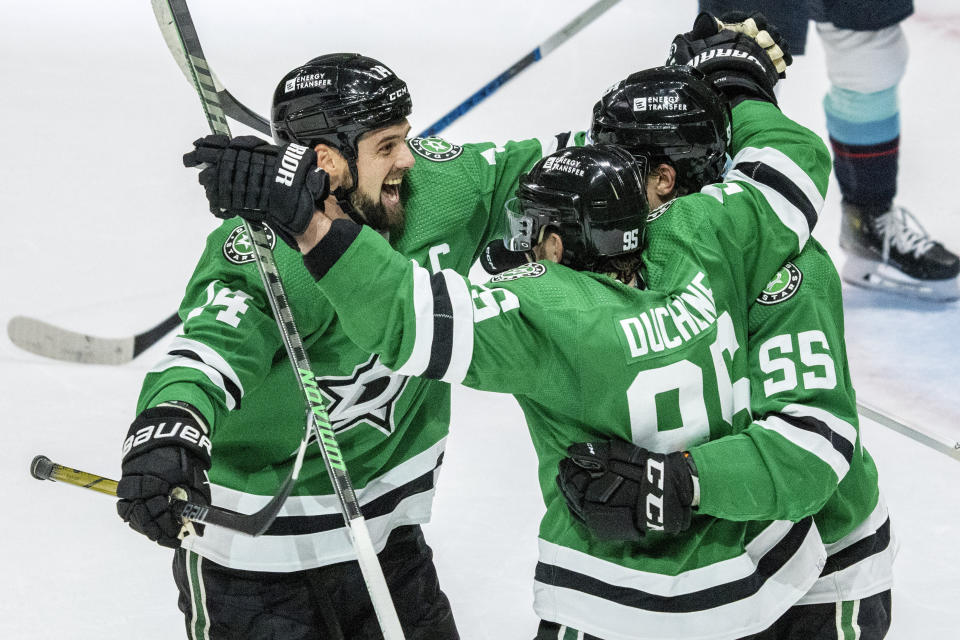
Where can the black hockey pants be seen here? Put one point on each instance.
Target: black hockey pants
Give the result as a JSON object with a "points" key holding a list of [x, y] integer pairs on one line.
{"points": [[326, 603]]}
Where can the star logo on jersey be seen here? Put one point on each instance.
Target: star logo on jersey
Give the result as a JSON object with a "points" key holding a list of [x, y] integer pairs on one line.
{"points": [[783, 286], [436, 149], [531, 270], [366, 396], [238, 248]]}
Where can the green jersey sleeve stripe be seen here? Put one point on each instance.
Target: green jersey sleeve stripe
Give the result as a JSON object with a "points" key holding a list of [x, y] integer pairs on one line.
{"points": [[811, 436], [419, 358], [461, 303], [183, 352]]}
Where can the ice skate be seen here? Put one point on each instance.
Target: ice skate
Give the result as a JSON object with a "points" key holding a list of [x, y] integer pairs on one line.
{"points": [[893, 252]]}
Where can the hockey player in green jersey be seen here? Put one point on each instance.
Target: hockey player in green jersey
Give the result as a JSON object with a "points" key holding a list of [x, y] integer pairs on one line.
{"points": [[226, 380], [590, 355], [802, 453]]}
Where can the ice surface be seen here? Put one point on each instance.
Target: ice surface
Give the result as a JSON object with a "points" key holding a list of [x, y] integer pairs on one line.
{"points": [[103, 227]]}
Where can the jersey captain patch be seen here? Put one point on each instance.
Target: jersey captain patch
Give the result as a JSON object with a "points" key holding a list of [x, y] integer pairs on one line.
{"points": [[238, 247], [783, 285], [530, 270], [436, 149], [368, 395]]}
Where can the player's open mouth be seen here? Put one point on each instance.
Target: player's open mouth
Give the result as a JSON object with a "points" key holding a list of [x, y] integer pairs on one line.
{"points": [[390, 193]]}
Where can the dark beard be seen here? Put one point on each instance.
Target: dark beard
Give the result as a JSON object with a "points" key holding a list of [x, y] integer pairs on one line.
{"points": [[375, 214]]}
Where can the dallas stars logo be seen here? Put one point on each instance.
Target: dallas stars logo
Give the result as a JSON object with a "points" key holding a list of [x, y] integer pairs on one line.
{"points": [[532, 270], [436, 149], [366, 396], [783, 286], [238, 248]]}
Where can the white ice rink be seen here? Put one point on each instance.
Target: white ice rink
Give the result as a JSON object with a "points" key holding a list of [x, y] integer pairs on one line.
{"points": [[102, 227]]}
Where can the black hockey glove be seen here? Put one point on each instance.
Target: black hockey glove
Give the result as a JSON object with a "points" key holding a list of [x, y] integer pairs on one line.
{"points": [[496, 258], [260, 182], [621, 491], [167, 451], [736, 63]]}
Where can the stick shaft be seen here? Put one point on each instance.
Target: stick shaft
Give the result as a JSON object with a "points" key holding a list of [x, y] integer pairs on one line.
{"points": [[590, 14]]}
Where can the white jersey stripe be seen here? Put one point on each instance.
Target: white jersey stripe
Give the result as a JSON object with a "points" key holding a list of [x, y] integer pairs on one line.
{"points": [[307, 551], [462, 303], [419, 358], [810, 441], [867, 577], [214, 367], [789, 215], [613, 621], [782, 163], [841, 427]]}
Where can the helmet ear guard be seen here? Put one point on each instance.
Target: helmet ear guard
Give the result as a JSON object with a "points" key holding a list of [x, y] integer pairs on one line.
{"points": [[671, 114]]}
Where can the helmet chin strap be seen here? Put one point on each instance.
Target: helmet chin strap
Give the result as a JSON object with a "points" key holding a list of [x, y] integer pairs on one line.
{"points": [[343, 194]]}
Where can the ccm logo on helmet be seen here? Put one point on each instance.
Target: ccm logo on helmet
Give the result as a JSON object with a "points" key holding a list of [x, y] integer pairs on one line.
{"points": [[288, 163], [179, 431], [396, 94]]}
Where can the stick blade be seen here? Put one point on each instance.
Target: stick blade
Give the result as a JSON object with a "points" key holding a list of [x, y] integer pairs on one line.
{"points": [[43, 339]]}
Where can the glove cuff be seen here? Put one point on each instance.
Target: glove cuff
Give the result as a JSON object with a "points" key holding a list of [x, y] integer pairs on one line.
{"points": [[168, 425]]}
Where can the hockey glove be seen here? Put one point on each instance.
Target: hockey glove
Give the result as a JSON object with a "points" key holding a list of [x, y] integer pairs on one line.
{"points": [[496, 258], [260, 182], [736, 63], [621, 491], [166, 453]]}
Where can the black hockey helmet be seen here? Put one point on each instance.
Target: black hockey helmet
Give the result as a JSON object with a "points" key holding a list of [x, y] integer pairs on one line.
{"points": [[593, 197], [335, 99], [669, 114]]}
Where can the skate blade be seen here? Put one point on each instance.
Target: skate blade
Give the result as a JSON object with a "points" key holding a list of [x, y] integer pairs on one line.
{"points": [[871, 274]]}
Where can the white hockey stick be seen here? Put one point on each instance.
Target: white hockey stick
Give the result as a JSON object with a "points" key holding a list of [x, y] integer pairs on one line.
{"points": [[937, 442], [175, 22], [55, 342], [44, 339]]}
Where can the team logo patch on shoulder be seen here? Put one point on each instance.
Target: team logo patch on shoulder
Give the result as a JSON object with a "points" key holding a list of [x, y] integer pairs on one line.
{"points": [[659, 211], [530, 270], [436, 149], [238, 248], [783, 286]]}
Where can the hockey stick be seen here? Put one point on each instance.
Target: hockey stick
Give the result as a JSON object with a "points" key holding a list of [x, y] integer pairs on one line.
{"points": [[226, 103], [935, 441], [41, 338], [47, 340], [253, 524], [173, 16], [592, 12]]}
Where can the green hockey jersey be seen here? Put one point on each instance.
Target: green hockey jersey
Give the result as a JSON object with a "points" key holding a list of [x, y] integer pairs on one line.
{"points": [[590, 358], [230, 363], [802, 455]]}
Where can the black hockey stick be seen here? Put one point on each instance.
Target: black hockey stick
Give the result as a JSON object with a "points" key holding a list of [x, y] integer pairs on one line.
{"points": [[174, 19], [41, 338], [48, 340], [253, 524], [590, 14]]}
